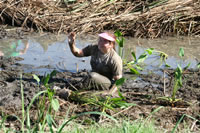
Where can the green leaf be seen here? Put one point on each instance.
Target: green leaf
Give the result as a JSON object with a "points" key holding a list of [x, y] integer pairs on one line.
{"points": [[53, 73], [36, 78], [198, 65], [125, 105], [150, 51], [138, 67], [142, 58], [55, 104], [131, 63], [122, 42], [120, 94], [46, 79], [134, 56], [134, 71], [116, 99], [120, 81], [166, 65], [179, 69], [118, 33], [181, 52], [49, 122], [86, 113], [188, 65]]}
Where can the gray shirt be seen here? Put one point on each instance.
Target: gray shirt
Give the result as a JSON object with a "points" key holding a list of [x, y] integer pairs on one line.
{"points": [[109, 64]]}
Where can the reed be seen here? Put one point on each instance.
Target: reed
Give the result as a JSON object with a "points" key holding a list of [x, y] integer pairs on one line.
{"points": [[137, 18]]}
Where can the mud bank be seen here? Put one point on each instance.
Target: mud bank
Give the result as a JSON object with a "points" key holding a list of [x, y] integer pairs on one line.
{"points": [[143, 90]]}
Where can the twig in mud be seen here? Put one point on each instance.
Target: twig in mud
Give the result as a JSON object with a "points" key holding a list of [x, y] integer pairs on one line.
{"points": [[70, 83], [193, 125], [60, 29], [63, 101], [164, 82]]}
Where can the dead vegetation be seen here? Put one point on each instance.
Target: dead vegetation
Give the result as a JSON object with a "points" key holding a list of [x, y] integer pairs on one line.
{"points": [[140, 18]]}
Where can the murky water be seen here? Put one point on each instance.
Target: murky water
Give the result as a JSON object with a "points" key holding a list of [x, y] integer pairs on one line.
{"points": [[48, 52]]}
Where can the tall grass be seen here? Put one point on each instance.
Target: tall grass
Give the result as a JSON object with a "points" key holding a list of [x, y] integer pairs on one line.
{"points": [[22, 98], [123, 127]]}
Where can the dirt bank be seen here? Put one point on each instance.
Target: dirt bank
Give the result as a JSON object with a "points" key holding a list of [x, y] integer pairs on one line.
{"points": [[143, 91]]}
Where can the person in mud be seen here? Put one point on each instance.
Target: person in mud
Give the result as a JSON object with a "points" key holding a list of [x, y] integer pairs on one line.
{"points": [[11, 51], [106, 64]]}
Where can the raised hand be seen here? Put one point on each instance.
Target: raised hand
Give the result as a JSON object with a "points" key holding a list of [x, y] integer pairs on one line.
{"points": [[71, 38]]}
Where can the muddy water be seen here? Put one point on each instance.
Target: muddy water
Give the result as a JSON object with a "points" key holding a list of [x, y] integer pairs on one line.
{"points": [[47, 52]]}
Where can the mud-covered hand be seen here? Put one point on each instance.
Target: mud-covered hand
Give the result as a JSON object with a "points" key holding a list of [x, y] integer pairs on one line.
{"points": [[71, 38]]}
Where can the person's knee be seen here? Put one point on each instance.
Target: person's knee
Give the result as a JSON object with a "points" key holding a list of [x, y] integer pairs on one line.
{"points": [[94, 75]]}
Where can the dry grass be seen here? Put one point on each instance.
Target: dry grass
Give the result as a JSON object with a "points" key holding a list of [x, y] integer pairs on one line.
{"points": [[152, 19]]}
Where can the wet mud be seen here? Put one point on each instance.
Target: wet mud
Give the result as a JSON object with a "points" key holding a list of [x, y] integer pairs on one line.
{"points": [[146, 91]]}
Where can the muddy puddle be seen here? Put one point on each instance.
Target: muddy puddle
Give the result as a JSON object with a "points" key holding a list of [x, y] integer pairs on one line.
{"points": [[48, 52]]}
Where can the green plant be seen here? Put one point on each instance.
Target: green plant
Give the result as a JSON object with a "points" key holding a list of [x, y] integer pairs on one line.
{"points": [[177, 78], [179, 121], [163, 57], [54, 104], [136, 64], [120, 42], [102, 102], [22, 98]]}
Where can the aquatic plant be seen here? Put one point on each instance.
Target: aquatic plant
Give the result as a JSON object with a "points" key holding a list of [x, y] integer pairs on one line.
{"points": [[177, 79], [120, 41], [178, 75], [136, 64]]}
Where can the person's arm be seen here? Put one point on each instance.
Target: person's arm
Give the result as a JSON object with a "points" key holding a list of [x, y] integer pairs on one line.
{"points": [[117, 77], [117, 69], [75, 51]]}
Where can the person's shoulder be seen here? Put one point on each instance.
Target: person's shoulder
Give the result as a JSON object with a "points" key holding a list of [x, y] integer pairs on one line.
{"points": [[90, 49], [114, 57], [93, 47], [115, 54]]}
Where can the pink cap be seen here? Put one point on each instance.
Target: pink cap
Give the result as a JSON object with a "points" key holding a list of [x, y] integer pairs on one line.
{"points": [[107, 36]]}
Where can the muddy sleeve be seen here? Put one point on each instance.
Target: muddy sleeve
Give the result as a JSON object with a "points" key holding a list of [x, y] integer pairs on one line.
{"points": [[87, 51], [116, 65]]}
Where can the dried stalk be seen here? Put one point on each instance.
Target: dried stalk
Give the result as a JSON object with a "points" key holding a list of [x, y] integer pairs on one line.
{"points": [[88, 17]]}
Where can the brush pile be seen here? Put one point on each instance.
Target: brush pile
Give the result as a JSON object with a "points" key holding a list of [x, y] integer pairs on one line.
{"points": [[140, 18]]}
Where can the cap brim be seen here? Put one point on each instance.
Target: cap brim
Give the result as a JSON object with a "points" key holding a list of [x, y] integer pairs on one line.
{"points": [[107, 37]]}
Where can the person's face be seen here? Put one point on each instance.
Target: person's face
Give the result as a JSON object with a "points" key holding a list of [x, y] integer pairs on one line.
{"points": [[104, 44]]}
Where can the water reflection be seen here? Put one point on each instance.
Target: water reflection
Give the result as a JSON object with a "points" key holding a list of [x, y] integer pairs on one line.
{"points": [[11, 49], [50, 52]]}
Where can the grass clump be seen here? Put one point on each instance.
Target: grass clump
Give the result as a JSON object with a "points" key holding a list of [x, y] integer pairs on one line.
{"points": [[123, 127]]}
